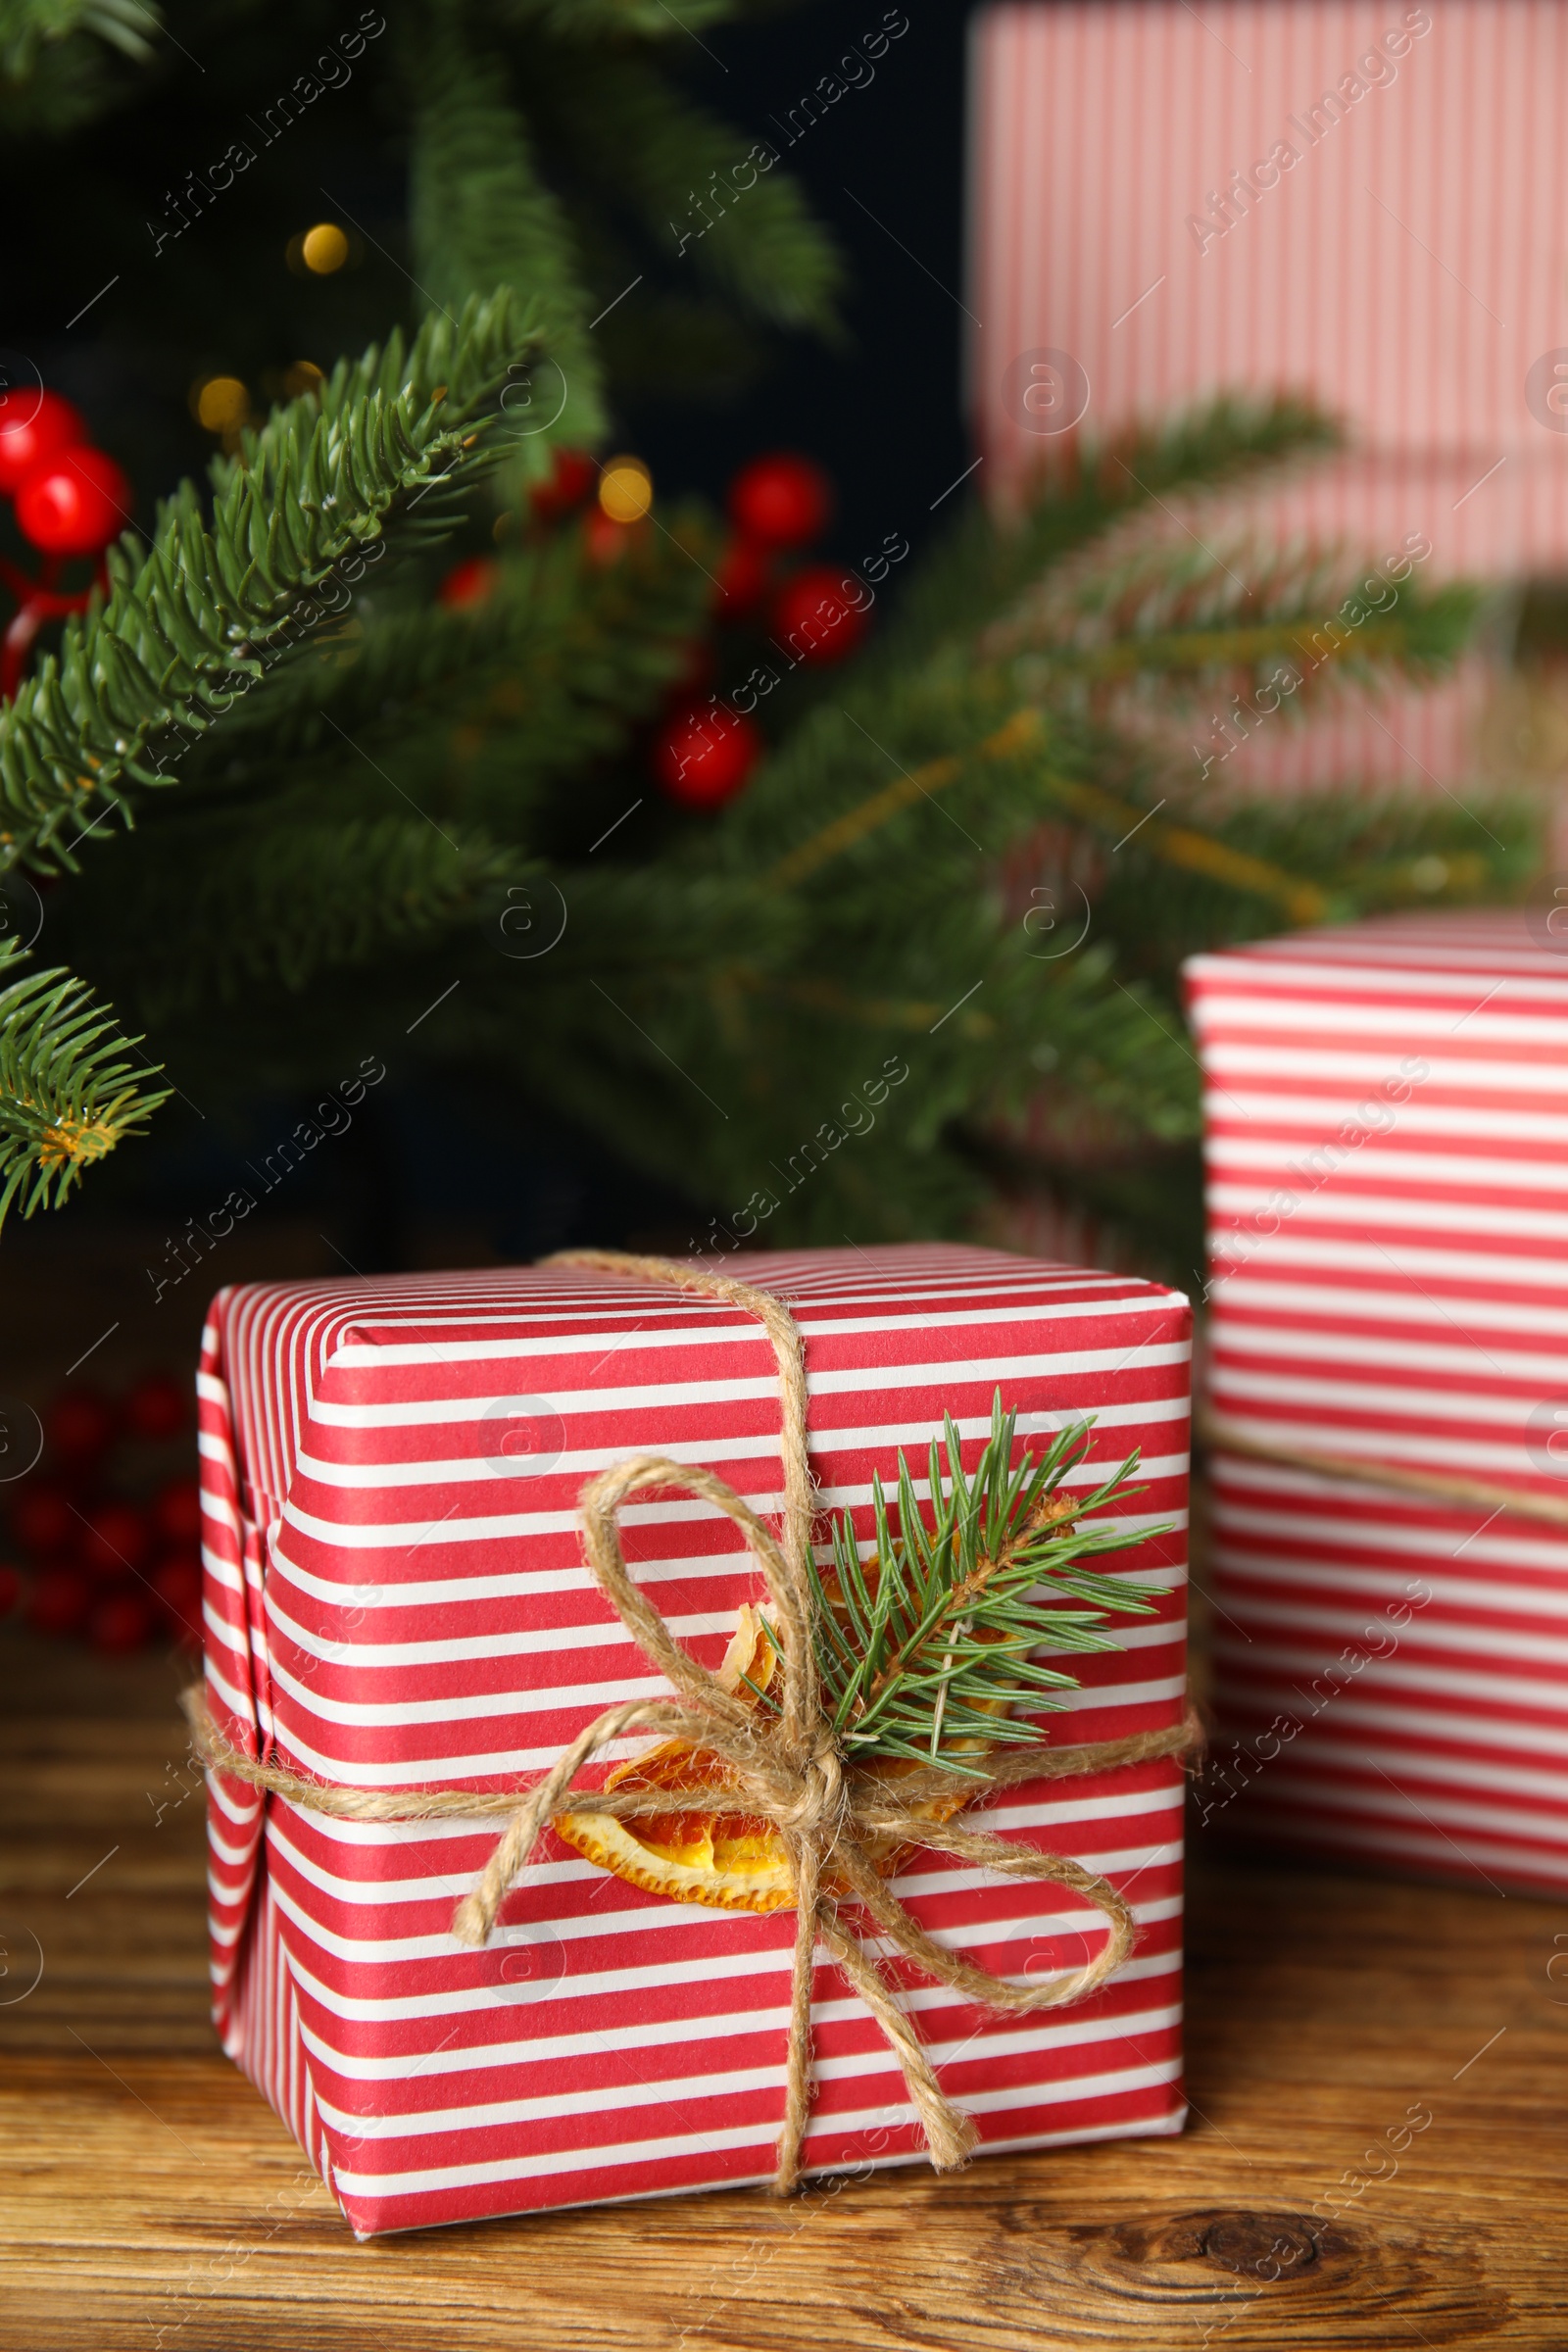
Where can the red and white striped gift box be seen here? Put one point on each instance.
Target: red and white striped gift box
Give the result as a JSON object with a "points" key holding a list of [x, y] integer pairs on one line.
{"points": [[1387, 1110], [1352, 199], [394, 1597]]}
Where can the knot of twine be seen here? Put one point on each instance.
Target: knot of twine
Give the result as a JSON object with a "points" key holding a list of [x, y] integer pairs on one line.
{"points": [[819, 1808], [784, 1766]]}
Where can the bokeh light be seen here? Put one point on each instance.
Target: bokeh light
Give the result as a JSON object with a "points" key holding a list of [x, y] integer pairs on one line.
{"points": [[222, 403], [323, 248], [625, 489]]}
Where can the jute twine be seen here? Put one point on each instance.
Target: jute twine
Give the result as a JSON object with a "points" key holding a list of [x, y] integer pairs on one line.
{"points": [[1432, 1486], [785, 1767]]}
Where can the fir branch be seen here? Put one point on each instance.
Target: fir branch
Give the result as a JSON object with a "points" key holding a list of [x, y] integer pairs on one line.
{"points": [[552, 669], [590, 20], [201, 617], [1140, 605], [984, 567], [1027, 730], [236, 905], [65, 61], [764, 248], [67, 1094], [481, 218], [1197, 849], [28, 28], [1021, 732], [924, 1652], [1421, 640]]}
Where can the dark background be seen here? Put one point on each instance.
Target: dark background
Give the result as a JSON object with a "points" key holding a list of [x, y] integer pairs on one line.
{"points": [[882, 411]]}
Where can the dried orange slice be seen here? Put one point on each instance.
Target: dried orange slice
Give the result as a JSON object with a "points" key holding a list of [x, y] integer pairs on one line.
{"points": [[693, 1850], [689, 1845]]}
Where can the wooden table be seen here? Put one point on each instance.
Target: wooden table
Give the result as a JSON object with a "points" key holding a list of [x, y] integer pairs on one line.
{"points": [[150, 2200]]}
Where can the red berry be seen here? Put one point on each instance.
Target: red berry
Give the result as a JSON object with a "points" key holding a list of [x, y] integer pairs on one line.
{"points": [[743, 577], [80, 1425], [157, 1407], [607, 541], [59, 1601], [469, 584], [572, 475], [177, 1582], [10, 1590], [42, 1520], [178, 1511], [116, 1540], [120, 1622], [705, 755], [74, 504], [813, 615], [35, 426], [782, 499]]}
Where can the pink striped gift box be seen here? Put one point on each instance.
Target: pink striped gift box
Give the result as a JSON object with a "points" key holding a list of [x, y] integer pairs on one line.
{"points": [[1352, 199], [396, 1597], [1387, 1110], [1134, 207]]}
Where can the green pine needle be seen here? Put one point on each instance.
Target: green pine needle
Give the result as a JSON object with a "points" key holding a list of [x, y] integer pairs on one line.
{"points": [[481, 217], [67, 1092], [924, 1649], [381, 453], [765, 253], [29, 27]]}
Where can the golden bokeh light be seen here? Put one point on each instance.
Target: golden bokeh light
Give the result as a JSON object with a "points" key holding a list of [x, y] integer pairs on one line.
{"points": [[323, 248], [625, 489], [303, 376], [222, 403]]}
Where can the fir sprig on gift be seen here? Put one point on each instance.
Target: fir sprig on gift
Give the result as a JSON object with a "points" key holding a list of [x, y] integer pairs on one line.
{"points": [[924, 1646]]}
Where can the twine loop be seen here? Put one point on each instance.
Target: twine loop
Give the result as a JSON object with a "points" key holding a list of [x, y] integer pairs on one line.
{"points": [[781, 1763]]}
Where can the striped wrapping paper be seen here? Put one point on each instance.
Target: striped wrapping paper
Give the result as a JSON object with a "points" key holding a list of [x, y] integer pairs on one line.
{"points": [[395, 1596], [1388, 1197], [1404, 268]]}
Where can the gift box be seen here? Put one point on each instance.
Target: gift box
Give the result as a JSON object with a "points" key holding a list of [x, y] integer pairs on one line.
{"points": [[1171, 203], [1386, 1109], [397, 1599]]}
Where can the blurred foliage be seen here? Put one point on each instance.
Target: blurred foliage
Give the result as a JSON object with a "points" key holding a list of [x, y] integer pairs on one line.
{"points": [[962, 879]]}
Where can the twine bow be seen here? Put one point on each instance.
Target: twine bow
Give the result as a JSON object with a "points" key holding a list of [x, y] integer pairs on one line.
{"points": [[783, 1766]]}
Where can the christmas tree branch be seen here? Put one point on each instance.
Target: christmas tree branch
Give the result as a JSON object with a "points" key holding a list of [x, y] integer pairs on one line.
{"points": [[28, 28], [1180, 845], [588, 20], [482, 219], [308, 502], [210, 917], [1021, 732], [743, 221], [987, 564], [559, 660], [1418, 641], [68, 1093]]}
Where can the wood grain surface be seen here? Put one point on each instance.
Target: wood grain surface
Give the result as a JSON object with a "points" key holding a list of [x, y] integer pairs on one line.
{"points": [[151, 2200]]}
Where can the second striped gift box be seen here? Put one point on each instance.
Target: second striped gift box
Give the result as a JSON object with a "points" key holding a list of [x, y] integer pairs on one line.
{"points": [[1386, 1116]]}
